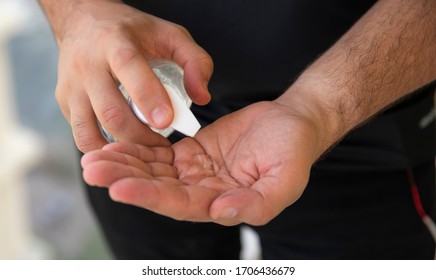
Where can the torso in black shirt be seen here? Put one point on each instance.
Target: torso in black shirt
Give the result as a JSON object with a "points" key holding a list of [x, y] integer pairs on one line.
{"points": [[260, 47]]}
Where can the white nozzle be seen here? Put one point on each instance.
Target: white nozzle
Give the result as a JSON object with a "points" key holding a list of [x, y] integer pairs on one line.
{"points": [[184, 120]]}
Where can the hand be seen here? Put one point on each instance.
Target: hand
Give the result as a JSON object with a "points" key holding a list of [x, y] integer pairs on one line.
{"points": [[245, 167], [106, 42]]}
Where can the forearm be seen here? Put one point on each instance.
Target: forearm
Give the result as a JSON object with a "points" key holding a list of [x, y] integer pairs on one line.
{"points": [[387, 54], [58, 12]]}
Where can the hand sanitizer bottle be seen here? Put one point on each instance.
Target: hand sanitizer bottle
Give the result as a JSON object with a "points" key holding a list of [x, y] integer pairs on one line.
{"points": [[171, 77]]}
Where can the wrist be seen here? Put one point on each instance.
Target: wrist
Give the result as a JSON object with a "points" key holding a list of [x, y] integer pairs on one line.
{"points": [[61, 12], [317, 101]]}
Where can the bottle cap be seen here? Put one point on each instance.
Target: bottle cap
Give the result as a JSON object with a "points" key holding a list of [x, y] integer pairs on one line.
{"points": [[184, 120]]}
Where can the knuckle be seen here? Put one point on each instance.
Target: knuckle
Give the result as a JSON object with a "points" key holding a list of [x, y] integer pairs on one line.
{"points": [[60, 96], [80, 60], [175, 30], [182, 29], [82, 137], [206, 59], [122, 55], [112, 118]]}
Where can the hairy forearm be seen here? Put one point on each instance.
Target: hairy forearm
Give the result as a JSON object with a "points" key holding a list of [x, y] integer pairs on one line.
{"points": [[387, 54], [59, 13]]}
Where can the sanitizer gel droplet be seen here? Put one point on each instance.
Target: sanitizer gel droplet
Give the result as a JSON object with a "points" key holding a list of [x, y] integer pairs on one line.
{"points": [[171, 77]]}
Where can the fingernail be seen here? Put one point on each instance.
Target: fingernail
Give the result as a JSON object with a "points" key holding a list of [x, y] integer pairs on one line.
{"points": [[159, 116], [229, 213]]}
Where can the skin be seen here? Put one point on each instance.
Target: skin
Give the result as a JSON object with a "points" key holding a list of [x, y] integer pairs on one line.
{"points": [[249, 165], [224, 178], [105, 42]]}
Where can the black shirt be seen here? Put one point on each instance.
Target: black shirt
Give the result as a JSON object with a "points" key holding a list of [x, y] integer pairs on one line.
{"points": [[260, 47]]}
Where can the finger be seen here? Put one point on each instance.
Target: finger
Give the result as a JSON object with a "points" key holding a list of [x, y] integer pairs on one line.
{"points": [[61, 95], [83, 123], [115, 115], [197, 66], [166, 196], [144, 153], [239, 205], [75, 106], [132, 70], [155, 169], [104, 172]]}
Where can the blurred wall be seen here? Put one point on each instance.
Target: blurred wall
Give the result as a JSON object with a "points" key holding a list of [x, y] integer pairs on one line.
{"points": [[49, 202]]}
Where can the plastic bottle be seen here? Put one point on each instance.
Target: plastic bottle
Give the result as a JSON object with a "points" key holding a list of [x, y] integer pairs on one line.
{"points": [[171, 77]]}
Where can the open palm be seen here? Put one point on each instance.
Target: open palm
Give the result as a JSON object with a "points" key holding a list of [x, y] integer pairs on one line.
{"points": [[245, 167]]}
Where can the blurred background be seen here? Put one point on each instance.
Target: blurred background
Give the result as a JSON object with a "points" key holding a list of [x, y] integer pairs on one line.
{"points": [[43, 211]]}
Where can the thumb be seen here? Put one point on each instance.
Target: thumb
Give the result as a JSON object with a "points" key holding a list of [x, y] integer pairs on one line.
{"points": [[256, 205]]}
